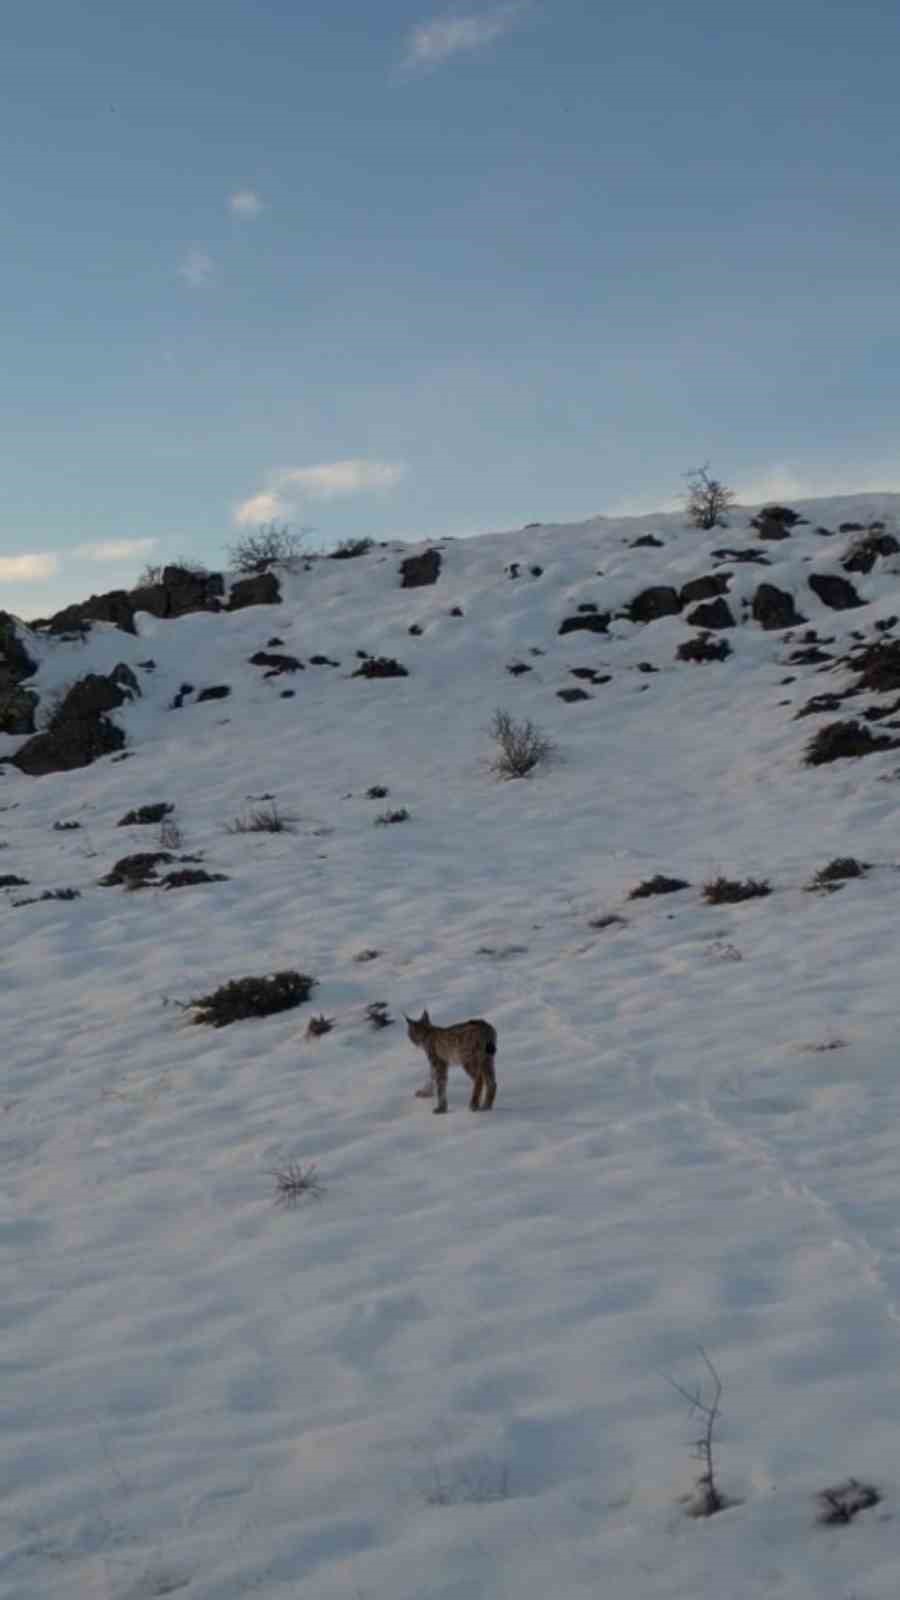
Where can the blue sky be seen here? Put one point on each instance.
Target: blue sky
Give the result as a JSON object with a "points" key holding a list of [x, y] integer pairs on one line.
{"points": [[402, 271]]}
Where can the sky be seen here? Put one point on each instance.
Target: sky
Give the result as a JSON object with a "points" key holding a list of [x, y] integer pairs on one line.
{"points": [[397, 272]]}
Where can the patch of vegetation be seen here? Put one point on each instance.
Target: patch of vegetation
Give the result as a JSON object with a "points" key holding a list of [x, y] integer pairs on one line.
{"points": [[728, 891], [516, 668], [136, 871], [837, 871], [707, 1497], [65, 827], [294, 1182], [839, 741], [380, 667], [50, 894], [570, 696], [610, 921], [521, 746], [659, 884], [263, 819], [349, 549], [377, 1014], [186, 876], [843, 1501], [707, 499], [275, 662], [318, 1026], [378, 791], [8, 880], [144, 815], [387, 817], [252, 997]]}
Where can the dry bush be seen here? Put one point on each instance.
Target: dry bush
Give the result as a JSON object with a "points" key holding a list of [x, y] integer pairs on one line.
{"points": [[318, 1026], [377, 1014], [707, 498], [386, 817], [843, 1501], [271, 543], [837, 871], [521, 746], [659, 884], [348, 549]]}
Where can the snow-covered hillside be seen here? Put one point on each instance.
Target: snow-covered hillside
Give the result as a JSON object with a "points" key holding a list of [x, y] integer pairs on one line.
{"points": [[450, 1376]]}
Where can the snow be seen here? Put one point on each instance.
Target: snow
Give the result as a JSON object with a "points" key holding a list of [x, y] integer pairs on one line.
{"points": [[449, 1376]]}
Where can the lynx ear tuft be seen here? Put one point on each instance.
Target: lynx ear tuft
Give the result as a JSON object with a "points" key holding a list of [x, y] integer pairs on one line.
{"points": [[425, 1017]]}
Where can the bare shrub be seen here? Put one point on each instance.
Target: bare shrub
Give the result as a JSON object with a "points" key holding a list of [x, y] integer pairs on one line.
{"points": [[707, 498], [264, 819], [841, 868], [386, 817], [839, 741], [294, 1182], [521, 746], [377, 1014], [271, 543], [707, 1497]]}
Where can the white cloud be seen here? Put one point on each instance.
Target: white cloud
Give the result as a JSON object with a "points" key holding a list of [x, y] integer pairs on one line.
{"points": [[197, 269], [431, 43], [333, 478], [27, 569], [245, 203], [115, 549], [290, 486], [264, 507]]}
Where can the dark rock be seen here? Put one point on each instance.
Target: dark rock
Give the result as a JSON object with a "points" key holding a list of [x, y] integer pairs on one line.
{"points": [[809, 656], [878, 666], [774, 608], [418, 571], [863, 553], [587, 606], [659, 884], [17, 708], [592, 621], [838, 593], [287, 694], [647, 541], [414, 629], [824, 533], [570, 695], [457, 611], [850, 527], [216, 691], [8, 880], [323, 661], [178, 700], [701, 648], [67, 746], [180, 590], [711, 614], [659, 601], [116, 606], [512, 570], [276, 662], [705, 588], [646, 666], [536, 572], [517, 668], [271, 643], [15, 662], [262, 589], [818, 704], [186, 876]]}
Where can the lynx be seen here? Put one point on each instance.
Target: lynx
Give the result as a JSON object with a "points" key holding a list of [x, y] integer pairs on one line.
{"points": [[473, 1044]]}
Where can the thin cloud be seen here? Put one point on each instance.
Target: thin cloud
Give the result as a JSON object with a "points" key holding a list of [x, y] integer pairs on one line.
{"points": [[28, 569], [115, 549], [329, 480], [264, 507], [431, 43], [245, 203], [197, 269]]}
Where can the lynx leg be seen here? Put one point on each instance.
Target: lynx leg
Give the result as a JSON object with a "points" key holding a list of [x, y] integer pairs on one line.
{"points": [[439, 1075], [490, 1079], [477, 1086]]}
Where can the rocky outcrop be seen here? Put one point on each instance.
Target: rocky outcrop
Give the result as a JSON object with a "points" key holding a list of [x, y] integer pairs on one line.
{"points": [[418, 571], [260, 590], [659, 601], [115, 607], [705, 588], [776, 522], [17, 705], [838, 593], [711, 614], [180, 591], [80, 730]]}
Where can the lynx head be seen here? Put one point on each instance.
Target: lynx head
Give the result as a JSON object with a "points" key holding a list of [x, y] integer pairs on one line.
{"points": [[418, 1029]]}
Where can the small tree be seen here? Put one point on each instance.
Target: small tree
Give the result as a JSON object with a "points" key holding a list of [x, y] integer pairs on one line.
{"points": [[256, 552], [707, 499]]}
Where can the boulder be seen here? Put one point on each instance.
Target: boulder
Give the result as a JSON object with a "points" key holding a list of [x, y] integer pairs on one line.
{"points": [[659, 601], [15, 662], [705, 588], [417, 571], [17, 708], [774, 608], [592, 621], [838, 593], [180, 591], [79, 730], [776, 522], [711, 614], [260, 590], [115, 606]]}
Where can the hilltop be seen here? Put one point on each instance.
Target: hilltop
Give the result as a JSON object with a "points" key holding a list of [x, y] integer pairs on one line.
{"points": [[444, 1373]]}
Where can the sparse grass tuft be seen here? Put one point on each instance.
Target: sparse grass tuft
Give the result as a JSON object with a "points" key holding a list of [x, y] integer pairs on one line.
{"points": [[348, 549], [264, 819], [837, 871], [521, 746], [659, 884], [386, 817], [294, 1182], [843, 1501], [318, 1026], [377, 1014]]}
